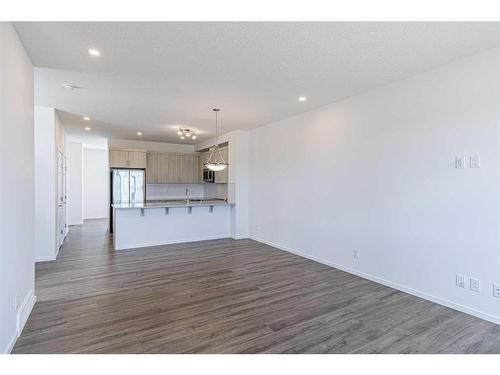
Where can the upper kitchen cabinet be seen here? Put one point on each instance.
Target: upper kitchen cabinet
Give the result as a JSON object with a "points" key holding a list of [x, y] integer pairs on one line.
{"points": [[203, 159], [127, 159], [152, 172], [137, 159], [170, 168]]}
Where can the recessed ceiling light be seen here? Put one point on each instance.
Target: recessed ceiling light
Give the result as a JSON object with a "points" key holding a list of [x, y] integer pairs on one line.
{"points": [[302, 99], [86, 118], [94, 52], [139, 133], [87, 128], [193, 137]]}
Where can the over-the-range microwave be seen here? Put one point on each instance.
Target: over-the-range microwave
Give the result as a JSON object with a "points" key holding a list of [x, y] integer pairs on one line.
{"points": [[208, 175]]}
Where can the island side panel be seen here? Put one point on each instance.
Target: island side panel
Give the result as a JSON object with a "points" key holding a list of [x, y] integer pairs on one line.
{"points": [[131, 230]]}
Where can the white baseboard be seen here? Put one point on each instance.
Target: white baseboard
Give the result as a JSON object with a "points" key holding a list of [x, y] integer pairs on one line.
{"points": [[11, 343], [49, 258], [25, 311], [21, 319], [403, 288]]}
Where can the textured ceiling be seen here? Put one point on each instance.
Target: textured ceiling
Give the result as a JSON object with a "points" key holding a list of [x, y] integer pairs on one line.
{"points": [[154, 77]]}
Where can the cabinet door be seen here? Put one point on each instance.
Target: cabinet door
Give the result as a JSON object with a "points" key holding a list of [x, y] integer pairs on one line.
{"points": [[152, 168], [200, 168], [118, 159], [222, 176], [137, 159], [194, 171], [163, 168], [172, 172], [185, 166]]}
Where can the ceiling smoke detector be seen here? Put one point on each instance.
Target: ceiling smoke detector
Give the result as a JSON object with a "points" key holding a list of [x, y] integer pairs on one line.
{"points": [[70, 86]]}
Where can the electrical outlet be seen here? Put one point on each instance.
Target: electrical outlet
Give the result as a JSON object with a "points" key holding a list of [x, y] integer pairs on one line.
{"points": [[460, 281], [355, 254], [16, 302], [496, 290], [460, 162], [475, 161], [475, 285]]}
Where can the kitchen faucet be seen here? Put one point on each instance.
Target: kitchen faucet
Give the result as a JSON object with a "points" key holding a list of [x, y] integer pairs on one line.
{"points": [[187, 196]]}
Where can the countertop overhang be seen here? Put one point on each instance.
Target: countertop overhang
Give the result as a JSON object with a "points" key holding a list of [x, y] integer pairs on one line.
{"points": [[170, 204]]}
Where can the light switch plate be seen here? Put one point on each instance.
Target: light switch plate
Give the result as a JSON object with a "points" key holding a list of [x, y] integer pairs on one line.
{"points": [[355, 254], [475, 161], [460, 281], [475, 285], [460, 162]]}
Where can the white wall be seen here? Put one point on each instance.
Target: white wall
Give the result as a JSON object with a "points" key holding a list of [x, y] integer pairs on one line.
{"points": [[16, 187], [46, 247], [74, 154], [375, 173], [150, 146], [95, 183], [238, 178]]}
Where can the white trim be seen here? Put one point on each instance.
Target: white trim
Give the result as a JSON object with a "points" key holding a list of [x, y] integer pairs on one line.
{"points": [[21, 319], [11, 344], [403, 288], [48, 258], [150, 244], [25, 311]]}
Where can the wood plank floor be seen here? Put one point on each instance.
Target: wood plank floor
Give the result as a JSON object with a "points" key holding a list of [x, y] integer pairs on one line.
{"points": [[228, 296]]}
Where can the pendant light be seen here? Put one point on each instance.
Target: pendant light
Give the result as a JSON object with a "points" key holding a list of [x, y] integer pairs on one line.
{"points": [[215, 161]]}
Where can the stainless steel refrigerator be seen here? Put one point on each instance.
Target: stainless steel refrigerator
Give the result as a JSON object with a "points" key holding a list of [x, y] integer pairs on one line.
{"points": [[127, 186]]}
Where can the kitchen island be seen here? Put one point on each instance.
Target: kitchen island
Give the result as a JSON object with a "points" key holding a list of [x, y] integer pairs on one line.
{"points": [[167, 222]]}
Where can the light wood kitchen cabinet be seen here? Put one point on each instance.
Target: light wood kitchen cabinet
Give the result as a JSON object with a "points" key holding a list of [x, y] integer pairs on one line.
{"points": [[152, 168], [118, 158], [202, 159], [137, 159], [170, 168], [127, 159]]}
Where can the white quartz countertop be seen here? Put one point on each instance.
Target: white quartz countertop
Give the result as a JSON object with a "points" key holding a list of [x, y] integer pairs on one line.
{"points": [[171, 203]]}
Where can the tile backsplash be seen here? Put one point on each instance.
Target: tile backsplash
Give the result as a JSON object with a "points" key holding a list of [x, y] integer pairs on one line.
{"points": [[178, 191], [216, 191], [174, 191]]}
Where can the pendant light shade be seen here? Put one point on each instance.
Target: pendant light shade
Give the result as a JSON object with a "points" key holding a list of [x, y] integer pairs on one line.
{"points": [[216, 161]]}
